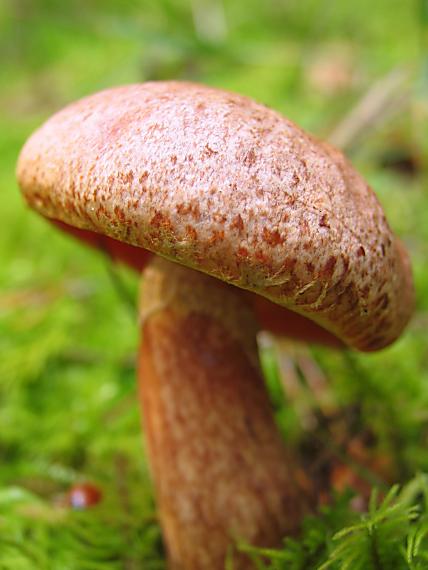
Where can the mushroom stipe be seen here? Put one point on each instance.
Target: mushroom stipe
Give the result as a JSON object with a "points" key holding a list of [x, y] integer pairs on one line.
{"points": [[236, 195], [218, 461]]}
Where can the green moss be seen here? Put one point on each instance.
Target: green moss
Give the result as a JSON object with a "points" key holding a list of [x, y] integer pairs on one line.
{"points": [[68, 336]]}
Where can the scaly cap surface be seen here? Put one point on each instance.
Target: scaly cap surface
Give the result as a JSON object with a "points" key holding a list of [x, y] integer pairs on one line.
{"points": [[227, 186]]}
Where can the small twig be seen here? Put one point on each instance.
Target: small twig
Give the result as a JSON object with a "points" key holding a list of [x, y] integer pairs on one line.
{"points": [[121, 465], [120, 287], [385, 99], [313, 387], [301, 376], [395, 438]]}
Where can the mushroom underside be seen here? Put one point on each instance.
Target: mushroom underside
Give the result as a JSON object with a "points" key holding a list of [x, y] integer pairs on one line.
{"points": [[270, 316]]}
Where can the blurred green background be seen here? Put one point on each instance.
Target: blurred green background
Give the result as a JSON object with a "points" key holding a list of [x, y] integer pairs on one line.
{"points": [[353, 71]]}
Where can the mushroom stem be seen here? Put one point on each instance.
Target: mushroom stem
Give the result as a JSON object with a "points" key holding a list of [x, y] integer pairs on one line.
{"points": [[218, 461]]}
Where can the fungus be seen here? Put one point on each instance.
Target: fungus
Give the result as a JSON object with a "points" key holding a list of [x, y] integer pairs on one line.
{"points": [[255, 224]]}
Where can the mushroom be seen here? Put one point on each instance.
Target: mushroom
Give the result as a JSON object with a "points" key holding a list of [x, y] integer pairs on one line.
{"points": [[253, 221]]}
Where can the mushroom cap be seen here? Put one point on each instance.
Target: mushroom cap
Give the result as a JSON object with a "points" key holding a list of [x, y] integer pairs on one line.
{"points": [[222, 184]]}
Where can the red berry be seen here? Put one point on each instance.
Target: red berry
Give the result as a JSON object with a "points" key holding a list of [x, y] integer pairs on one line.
{"points": [[83, 496]]}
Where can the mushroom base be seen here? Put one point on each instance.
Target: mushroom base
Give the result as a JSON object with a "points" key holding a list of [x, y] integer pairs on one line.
{"points": [[218, 462]]}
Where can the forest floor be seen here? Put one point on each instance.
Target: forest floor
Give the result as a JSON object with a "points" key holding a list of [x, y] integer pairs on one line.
{"points": [[353, 72]]}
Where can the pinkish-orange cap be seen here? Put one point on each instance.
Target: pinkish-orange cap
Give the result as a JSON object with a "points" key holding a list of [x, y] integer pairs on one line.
{"points": [[222, 184]]}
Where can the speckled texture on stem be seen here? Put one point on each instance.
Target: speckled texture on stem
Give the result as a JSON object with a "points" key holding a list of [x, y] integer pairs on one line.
{"points": [[218, 462], [222, 184]]}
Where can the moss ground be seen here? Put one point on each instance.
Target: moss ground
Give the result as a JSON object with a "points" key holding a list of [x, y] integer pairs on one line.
{"points": [[68, 410]]}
